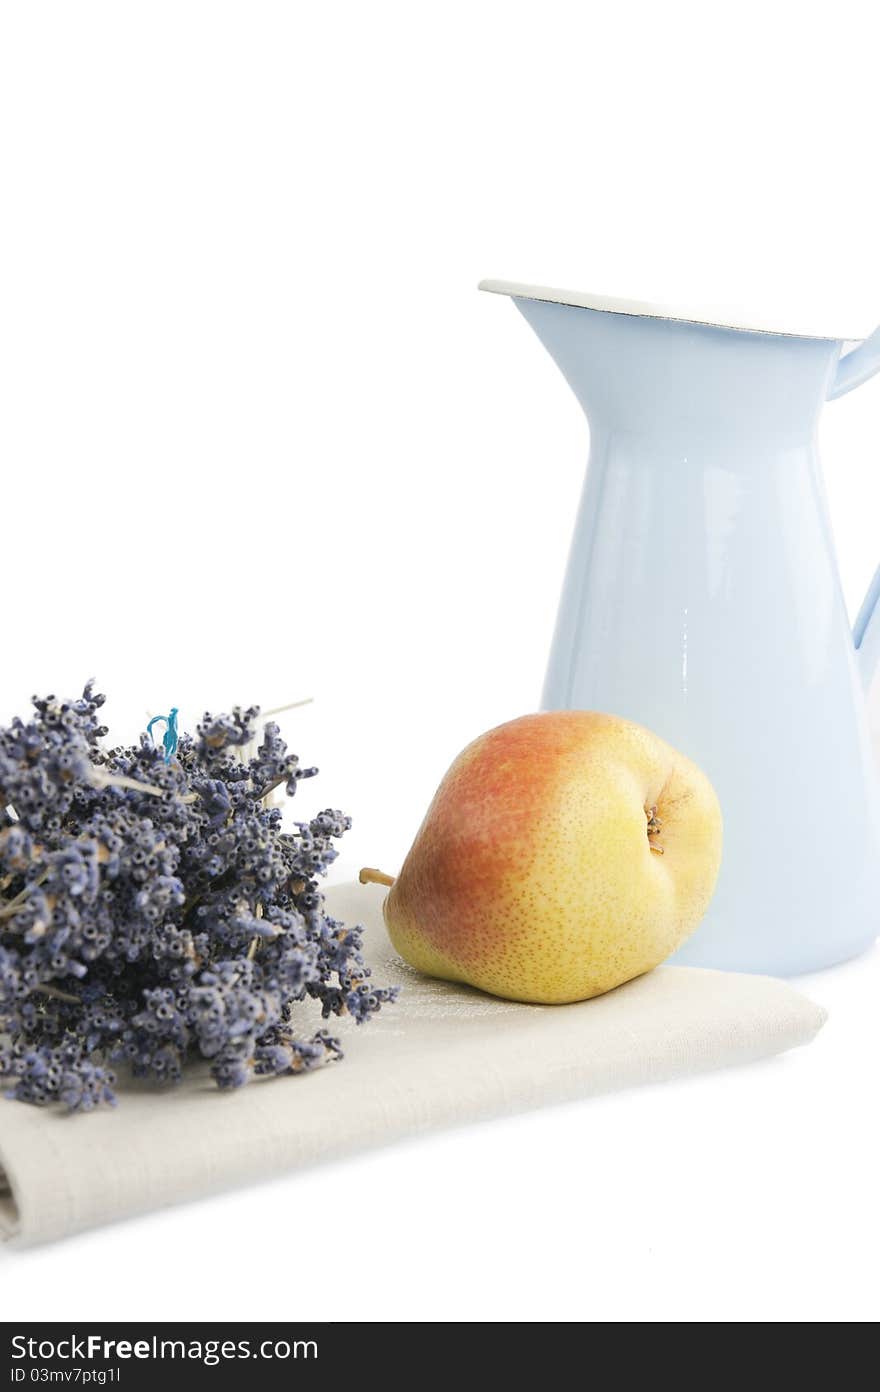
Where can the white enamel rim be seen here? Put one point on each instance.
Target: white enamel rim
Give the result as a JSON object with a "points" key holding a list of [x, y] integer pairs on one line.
{"points": [[584, 299]]}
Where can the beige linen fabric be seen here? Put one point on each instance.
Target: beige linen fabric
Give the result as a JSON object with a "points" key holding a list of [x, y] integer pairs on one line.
{"points": [[442, 1055]]}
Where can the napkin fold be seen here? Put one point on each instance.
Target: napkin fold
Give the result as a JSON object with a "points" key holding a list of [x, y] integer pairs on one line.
{"points": [[440, 1056]]}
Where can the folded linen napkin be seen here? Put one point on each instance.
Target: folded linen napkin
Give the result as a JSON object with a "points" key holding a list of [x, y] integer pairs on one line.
{"points": [[441, 1055]]}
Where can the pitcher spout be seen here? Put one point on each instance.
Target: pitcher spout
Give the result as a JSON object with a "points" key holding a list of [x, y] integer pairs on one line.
{"points": [[668, 378]]}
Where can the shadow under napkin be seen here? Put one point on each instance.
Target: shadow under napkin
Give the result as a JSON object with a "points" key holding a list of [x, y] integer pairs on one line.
{"points": [[440, 1056]]}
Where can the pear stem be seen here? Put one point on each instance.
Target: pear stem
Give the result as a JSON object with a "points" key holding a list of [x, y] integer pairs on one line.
{"points": [[368, 876]]}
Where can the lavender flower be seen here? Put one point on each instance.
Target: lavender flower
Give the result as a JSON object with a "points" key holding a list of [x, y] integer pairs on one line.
{"points": [[154, 912]]}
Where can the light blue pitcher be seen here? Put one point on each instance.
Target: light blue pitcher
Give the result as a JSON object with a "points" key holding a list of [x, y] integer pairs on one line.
{"points": [[702, 599]]}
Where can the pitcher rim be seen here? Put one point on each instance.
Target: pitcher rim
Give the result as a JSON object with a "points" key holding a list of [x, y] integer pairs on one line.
{"points": [[643, 309]]}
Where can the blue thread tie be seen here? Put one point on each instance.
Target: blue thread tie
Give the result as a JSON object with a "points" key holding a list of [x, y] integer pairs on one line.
{"points": [[171, 737]]}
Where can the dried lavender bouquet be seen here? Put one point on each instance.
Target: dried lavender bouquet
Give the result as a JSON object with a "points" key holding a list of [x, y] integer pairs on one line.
{"points": [[153, 911]]}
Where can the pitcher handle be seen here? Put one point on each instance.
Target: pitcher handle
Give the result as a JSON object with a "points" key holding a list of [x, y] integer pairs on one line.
{"points": [[856, 367], [852, 370]]}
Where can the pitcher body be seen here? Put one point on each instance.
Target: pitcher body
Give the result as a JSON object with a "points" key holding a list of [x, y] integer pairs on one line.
{"points": [[702, 599]]}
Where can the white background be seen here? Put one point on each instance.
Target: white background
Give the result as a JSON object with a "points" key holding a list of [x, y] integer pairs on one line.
{"points": [[261, 439]]}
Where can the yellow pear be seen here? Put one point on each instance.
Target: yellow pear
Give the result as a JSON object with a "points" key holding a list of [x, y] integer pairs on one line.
{"points": [[562, 855]]}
